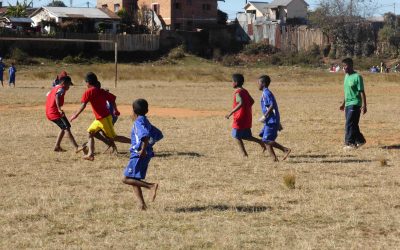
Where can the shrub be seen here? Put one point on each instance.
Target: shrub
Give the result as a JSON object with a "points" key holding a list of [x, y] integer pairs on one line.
{"points": [[79, 59], [21, 57], [259, 48], [230, 60], [290, 181], [176, 53]]}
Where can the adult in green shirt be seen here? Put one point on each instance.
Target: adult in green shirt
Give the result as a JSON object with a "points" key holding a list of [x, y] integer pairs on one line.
{"points": [[353, 104]]}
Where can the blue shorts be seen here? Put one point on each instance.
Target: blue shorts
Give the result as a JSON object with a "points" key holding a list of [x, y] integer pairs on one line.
{"points": [[241, 133], [269, 132], [137, 167]]}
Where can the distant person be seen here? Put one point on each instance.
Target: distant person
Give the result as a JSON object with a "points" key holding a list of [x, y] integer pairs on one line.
{"points": [[270, 118], [141, 153], [2, 69], [242, 115], [337, 68], [354, 103], [54, 112], [383, 67], [98, 98], [58, 77], [332, 69], [11, 73], [397, 68]]}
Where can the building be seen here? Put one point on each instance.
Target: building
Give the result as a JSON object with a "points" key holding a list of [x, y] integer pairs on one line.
{"points": [[184, 14], [278, 10], [17, 23], [258, 9], [116, 5], [88, 19]]}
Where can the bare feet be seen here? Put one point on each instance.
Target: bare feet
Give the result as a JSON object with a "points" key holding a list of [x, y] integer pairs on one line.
{"points": [[287, 152], [88, 157], [143, 207], [154, 193], [59, 149], [263, 147]]}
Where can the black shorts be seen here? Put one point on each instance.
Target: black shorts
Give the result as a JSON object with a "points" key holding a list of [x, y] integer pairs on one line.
{"points": [[62, 122]]}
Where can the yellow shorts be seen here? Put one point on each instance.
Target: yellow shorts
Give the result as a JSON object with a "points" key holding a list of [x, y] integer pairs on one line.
{"points": [[104, 124]]}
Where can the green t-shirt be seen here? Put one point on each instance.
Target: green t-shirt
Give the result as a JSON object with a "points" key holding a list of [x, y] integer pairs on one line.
{"points": [[353, 85]]}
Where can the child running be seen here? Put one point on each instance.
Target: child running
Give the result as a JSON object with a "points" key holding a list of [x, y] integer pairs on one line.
{"points": [[242, 115], [2, 68], [270, 118], [98, 98], [54, 112], [11, 72], [141, 153]]}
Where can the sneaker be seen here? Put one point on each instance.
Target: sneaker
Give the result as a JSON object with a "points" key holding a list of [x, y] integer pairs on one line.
{"points": [[360, 144], [350, 147]]}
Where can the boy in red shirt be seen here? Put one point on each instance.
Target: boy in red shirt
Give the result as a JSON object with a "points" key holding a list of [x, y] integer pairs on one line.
{"points": [[54, 103], [98, 99], [242, 115]]}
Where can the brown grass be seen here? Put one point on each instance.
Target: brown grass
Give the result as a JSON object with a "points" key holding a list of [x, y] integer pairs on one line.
{"points": [[208, 196]]}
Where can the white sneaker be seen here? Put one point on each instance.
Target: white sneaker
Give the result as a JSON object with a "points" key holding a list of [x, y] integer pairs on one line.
{"points": [[360, 144], [349, 147]]}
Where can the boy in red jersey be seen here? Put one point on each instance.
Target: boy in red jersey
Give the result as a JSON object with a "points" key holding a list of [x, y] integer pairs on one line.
{"points": [[98, 98], [242, 115], [54, 103]]}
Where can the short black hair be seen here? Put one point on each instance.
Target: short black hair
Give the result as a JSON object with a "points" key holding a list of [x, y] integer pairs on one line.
{"points": [[348, 61], [266, 80], [66, 80], [238, 78], [140, 107], [91, 78]]}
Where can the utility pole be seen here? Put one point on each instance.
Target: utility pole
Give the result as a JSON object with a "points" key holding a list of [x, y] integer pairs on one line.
{"points": [[87, 4]]}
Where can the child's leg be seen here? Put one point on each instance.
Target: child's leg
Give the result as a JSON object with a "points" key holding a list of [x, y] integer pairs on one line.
{"points": [[139, 184], [280, 147], [73, 141], [241, 147], [60, 136], [272, 152], [90, 155], [137, 191], [259, 141]]}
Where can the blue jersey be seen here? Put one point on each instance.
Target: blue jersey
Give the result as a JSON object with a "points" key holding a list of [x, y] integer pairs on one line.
{"points": [[268, 99], [2, 67], [140, 130], [12, 71]]}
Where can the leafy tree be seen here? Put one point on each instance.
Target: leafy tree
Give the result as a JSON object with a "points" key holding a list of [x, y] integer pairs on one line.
{"points": [[222, 17], [19, 9], [56, 3]]}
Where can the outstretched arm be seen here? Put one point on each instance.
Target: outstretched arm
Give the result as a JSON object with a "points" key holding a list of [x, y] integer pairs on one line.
{"points": [[83, 106]]}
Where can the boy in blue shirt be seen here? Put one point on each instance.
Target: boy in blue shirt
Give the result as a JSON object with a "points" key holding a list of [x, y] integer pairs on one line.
{"points": [[141, 153], [270, 118], [2, 68], [11, 72]]}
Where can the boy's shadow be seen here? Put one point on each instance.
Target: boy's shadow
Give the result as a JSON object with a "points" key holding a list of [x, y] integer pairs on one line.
{"points": [[222, 208], [396, 146], [324, 158], [169, 154]]}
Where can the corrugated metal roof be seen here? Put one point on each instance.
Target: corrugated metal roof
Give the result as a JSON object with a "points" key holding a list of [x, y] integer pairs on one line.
{"points": [[285, 3], [92, 13], [20, 19]]}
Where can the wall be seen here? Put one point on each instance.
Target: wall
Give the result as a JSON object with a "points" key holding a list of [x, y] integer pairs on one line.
{"points": [[297, 9]]}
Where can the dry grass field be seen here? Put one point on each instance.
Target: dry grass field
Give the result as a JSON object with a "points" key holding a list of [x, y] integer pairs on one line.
{"points": [[209, 197]]}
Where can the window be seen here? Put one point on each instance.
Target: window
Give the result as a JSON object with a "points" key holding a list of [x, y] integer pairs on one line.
{"points": [[116, 7], [105, 6], [178, 6], [206, 6], [156, 8], [177, 26]]}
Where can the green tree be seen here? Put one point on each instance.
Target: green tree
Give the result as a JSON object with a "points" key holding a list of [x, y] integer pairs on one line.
{"points": [[19, 9], [56, 3]]}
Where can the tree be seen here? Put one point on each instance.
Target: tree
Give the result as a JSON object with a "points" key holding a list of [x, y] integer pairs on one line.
{"points": [[222, 17], [56, 3], [19, 9]]}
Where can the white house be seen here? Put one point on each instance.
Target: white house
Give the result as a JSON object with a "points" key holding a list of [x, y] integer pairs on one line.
{"points": [[286, 9], [84, 16], [277, 10], [259, 9]]}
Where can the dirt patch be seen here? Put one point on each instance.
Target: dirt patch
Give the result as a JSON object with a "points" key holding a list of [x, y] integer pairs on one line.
{"points": [[126, 110]]}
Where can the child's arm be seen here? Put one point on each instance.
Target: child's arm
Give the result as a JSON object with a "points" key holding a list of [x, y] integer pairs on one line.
{"points": [[83, 106], [364, 102], [58, 105], [237, 107], [142, 152]]}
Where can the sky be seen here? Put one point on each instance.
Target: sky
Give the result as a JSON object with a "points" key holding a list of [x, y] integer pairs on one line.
{"points": [[231, 7]]}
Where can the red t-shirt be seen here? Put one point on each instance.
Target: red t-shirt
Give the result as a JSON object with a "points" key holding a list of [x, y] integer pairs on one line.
{"points": [[98, 99], [51, 106], [242, 118]]}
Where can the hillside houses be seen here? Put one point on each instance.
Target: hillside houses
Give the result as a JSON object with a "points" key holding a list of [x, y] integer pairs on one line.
{"points": [[277, 10]]}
